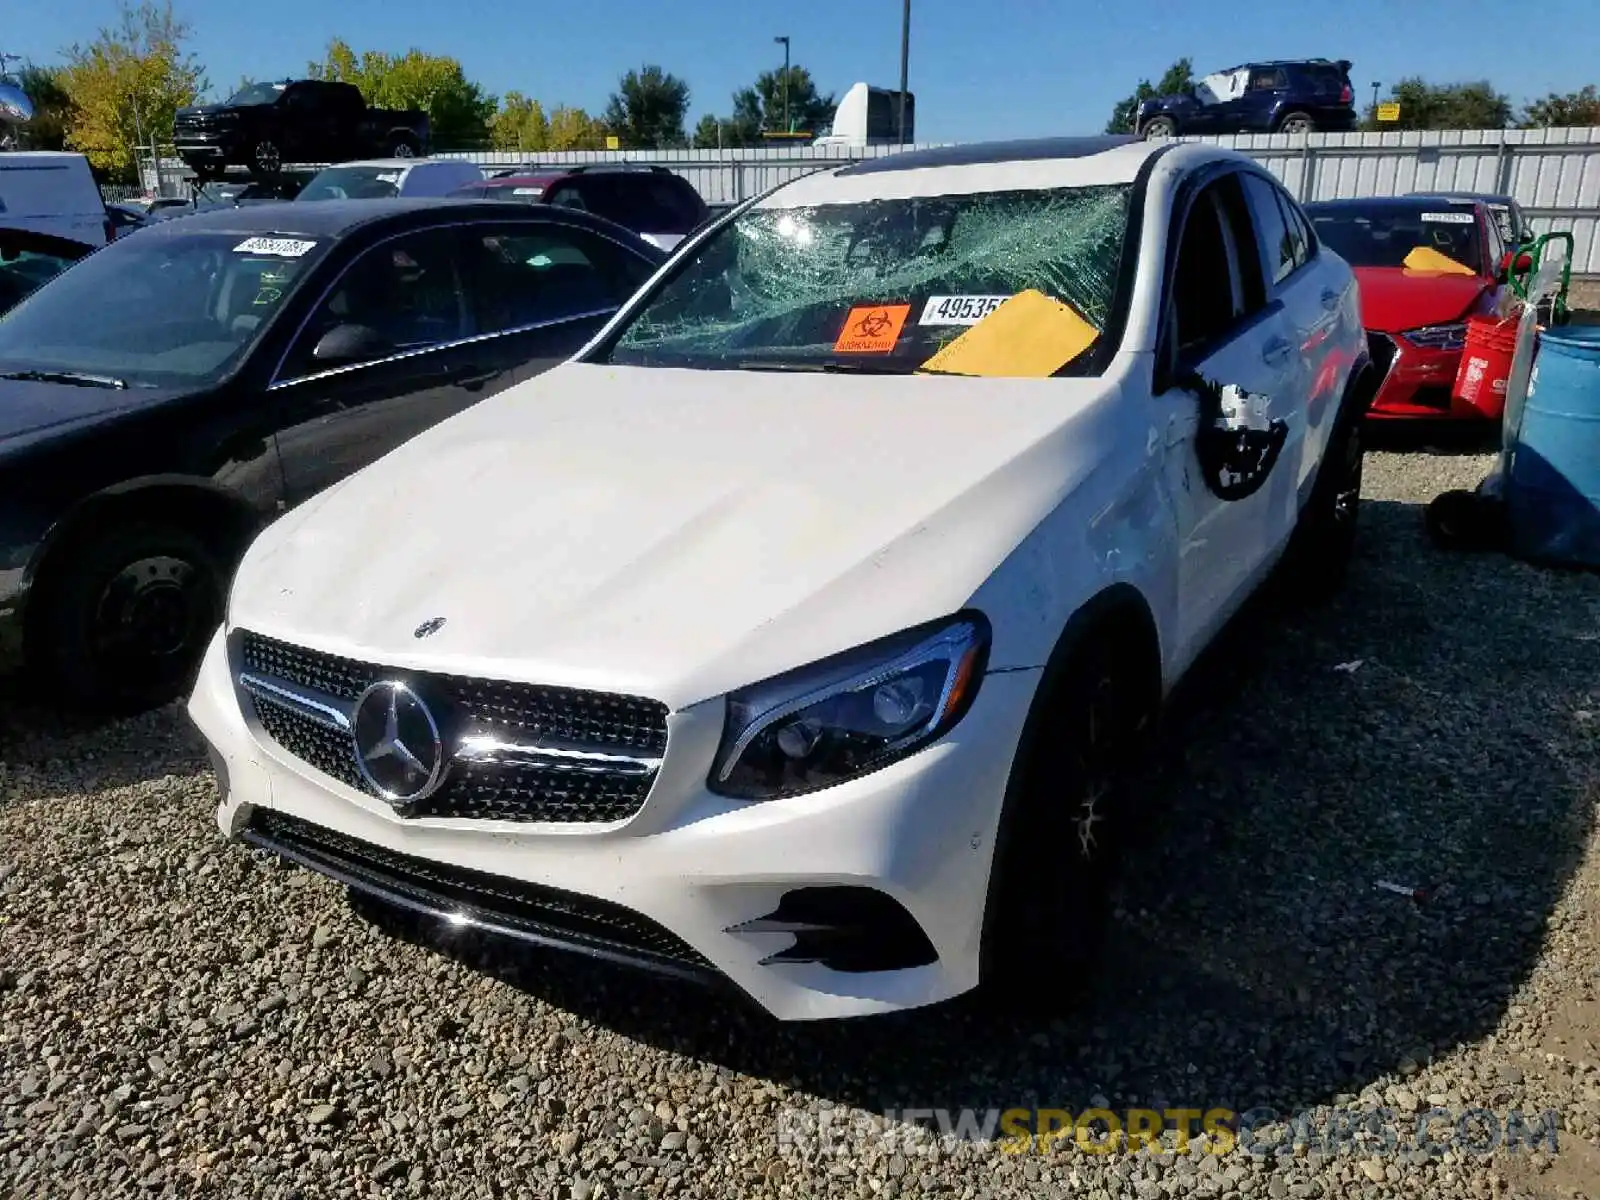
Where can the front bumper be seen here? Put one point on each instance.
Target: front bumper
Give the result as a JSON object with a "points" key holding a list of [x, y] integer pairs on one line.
{"points": [[1419, 383], [679, 886]]}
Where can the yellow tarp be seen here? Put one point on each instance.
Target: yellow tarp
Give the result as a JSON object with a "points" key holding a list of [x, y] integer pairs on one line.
{"points": [[1030, 336], [1426, 258]]}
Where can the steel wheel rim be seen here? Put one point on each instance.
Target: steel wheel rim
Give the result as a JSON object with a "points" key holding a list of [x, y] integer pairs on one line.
{"points": [[150, 614]]}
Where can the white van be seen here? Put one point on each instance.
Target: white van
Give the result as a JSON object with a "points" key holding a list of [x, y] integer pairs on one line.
{"points": [[53, 192], [381, 178]]}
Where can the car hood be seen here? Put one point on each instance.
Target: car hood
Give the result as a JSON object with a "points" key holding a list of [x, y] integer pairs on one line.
{"points": [[675, 533], [31, 411], [1394, 299]]}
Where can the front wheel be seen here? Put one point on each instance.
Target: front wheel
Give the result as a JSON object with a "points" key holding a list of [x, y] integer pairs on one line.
{"points": [[128, 615], [1054, 865], [1159, 127]]}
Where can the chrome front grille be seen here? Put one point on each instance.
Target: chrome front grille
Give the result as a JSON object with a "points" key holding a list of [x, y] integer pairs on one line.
{"points": [[515, 751]]}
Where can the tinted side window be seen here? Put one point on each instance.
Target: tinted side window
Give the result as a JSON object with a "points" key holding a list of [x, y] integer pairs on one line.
{"points": [[1295, 223], [1268, 79], [525, 275], [1272, 230], [407, 290]]}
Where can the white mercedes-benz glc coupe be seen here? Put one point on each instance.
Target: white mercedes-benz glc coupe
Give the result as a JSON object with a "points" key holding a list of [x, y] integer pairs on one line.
{"points": [[799, 631]]}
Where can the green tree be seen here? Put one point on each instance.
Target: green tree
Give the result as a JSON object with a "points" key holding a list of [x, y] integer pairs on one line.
{"points": [[128, 84], [647, 110], [1564, 112], [574, 129], [712, 133], [459, 111], [1178, 79], [519, 125], [759, 109], [52, 108], [1423, 105]]}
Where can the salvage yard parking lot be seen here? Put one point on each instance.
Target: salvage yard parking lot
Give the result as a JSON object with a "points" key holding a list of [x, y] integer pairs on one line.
{"points": [[180, 1016]]}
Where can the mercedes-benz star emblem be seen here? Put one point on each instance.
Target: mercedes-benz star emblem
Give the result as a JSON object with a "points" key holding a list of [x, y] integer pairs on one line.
{"points": [[399, 750], [429, 627]]}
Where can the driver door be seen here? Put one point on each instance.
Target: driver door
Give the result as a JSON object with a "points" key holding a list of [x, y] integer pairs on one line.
{"points": [[336, 417], [1218, 325]]}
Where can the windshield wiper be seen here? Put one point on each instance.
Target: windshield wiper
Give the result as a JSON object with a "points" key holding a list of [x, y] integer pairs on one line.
{"points": [[79, 378], [843, 368]]}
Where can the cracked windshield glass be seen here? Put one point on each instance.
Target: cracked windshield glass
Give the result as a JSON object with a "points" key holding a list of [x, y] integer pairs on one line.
{"points": [[880, 285]]}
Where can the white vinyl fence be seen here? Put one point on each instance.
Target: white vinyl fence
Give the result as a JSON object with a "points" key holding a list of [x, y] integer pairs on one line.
{"points": [[1553, 173]]}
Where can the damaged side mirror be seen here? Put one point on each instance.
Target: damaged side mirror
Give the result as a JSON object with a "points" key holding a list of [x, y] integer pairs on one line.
{"points": [[1237, 443]]}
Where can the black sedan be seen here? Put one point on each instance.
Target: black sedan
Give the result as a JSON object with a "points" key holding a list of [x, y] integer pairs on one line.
{"points": [[173, 391]]}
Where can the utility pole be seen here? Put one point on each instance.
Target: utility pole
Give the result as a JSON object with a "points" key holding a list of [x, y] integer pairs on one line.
{"points": [[905, 65], [786, 126]]}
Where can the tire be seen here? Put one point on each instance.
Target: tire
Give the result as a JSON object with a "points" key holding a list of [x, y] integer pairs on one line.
{"points": [[266, 160], [1323, 544], [403, 147], [127, 615], [1062, 834], [1297, 122], [1157, 127]]}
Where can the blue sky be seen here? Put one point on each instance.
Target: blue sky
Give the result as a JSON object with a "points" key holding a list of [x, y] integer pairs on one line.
{"points": [[979, 68]]}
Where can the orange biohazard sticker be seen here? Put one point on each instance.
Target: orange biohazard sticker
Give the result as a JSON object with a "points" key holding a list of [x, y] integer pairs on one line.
{"points": [[872, 329]]}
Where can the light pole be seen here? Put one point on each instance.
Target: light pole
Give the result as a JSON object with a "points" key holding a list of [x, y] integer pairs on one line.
{"points": [[1375, 86], [785, 41], [905, 65]]}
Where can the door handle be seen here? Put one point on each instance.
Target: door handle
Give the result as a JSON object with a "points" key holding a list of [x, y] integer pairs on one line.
{"points": [[1330, 298], [1276, 351]]}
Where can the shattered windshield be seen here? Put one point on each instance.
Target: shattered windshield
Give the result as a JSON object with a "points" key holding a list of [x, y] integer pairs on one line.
{"points": [[881, 285]]}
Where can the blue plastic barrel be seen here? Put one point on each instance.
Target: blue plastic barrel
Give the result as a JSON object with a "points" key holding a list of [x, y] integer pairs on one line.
{"points": [[1553, 491]]}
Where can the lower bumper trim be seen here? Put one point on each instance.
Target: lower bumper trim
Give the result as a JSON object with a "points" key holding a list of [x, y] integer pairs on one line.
{"points": [[509, 908]]}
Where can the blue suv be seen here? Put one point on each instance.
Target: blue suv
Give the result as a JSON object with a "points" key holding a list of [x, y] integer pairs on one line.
{"points": [[1291, 96]]}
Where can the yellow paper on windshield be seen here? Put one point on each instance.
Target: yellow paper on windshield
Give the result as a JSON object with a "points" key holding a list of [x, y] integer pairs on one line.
{"points": [[1426, 258], [1030, 336]]}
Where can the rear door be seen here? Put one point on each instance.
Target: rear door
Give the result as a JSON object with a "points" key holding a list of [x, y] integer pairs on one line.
{"points": [[539, 290], [1312, 294], [1219, 326]]}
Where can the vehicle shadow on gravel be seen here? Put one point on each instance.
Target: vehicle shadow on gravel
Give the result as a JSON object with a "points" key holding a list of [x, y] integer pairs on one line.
{"points": [[79, 750], [1426, 730]]}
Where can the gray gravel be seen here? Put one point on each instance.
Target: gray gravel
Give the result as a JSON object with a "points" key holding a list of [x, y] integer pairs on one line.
{"points": [[178, 1016]]}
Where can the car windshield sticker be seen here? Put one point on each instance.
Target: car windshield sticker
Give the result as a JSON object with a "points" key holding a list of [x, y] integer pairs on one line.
{"points": [[281, 247], [1449, 218], [527, 191], [387, 177], [872, 329], [1030, 336], [1427, 259], [959, 310]]}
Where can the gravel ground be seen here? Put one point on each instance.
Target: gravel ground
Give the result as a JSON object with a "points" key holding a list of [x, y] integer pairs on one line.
{"points": [[178, 1016]]}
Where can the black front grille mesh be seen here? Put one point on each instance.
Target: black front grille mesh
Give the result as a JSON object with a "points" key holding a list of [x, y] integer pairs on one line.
{"points": [[509, 905], [627, 724]]}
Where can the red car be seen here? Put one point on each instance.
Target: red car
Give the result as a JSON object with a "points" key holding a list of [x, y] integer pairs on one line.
{"points": [[1424, 265], [655, 203]]}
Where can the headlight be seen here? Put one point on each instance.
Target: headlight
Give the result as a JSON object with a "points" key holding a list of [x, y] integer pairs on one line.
{"points": [[850, 714], [1438, 337]]}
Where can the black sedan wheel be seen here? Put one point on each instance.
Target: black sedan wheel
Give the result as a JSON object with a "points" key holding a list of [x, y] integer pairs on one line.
{"points": [[128, 617]]}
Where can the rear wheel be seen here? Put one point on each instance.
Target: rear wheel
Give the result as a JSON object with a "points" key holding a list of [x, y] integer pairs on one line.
{"points": [[127, 616], [1324, 541], [403, 147], [266, 160], [1055, 863], [1297, 122]]}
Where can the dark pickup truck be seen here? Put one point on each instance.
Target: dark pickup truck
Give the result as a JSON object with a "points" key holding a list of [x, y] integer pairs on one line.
{"points": [[265, 125]]}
